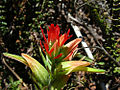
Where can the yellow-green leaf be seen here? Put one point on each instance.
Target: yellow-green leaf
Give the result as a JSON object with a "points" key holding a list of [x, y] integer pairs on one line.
{"points": [[16, 57], [45, 60], [39, 72], [74, 66], [59, 82]]}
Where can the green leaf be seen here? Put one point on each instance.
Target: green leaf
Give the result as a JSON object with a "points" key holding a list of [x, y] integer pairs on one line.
{"points": [[74, 66], [118, 59], [78, 55], [100, 63], [37, 84], [88, 69], [46, 61], [39, 72], [59, 82], [16, 57]]}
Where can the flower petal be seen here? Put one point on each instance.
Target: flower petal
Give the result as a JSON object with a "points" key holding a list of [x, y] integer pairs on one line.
{"points": [[46, 47], [43, 35], [51, 51], [73, 44], [58, 56], [55, 46], [65, 37], [41, 46], [53, 33]]}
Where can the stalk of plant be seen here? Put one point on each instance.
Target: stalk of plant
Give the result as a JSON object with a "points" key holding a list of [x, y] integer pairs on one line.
{"points": [[57, 58]]}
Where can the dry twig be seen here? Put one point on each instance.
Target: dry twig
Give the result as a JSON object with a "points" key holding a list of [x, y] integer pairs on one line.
{"points": [[90, 30], [16, 75]]}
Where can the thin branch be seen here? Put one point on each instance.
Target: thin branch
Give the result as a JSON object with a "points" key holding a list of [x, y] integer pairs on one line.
{"points": [[16, 75], [91, 47], [84, 44], [85, 4], [91, 31]]}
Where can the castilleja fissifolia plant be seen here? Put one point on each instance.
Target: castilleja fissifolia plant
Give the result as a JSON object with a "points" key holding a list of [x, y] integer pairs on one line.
{"points": [[57, 56]]}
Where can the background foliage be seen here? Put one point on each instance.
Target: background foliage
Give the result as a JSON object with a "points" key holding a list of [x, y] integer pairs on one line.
{"points": [[20, 22]]}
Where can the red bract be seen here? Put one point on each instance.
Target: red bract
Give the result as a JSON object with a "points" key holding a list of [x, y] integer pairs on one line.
{"points": [[55, 43], [53, 33]]}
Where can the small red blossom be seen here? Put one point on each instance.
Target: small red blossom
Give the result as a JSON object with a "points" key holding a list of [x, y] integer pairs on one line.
{"points": [[55, 43], [53, 33]]}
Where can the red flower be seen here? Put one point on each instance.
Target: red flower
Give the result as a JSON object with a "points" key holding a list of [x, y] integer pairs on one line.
{"points": [[55, 43], [53, 33]]}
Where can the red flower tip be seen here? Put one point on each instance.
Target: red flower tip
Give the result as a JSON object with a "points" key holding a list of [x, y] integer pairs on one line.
{"points": [[66, 37], [53, 33], [41, 46], [58, 56], [52, 25], [51, 51], [43, 35], [46, 47]]}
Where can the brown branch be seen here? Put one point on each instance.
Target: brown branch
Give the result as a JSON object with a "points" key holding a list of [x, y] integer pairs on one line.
{"points": [[16, 75], [89, 28], [92, 47]]}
